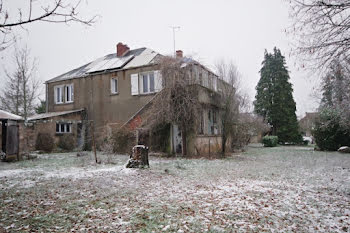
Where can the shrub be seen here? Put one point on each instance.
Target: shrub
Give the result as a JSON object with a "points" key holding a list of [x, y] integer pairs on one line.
{"points": [[66, 142], [329, 133], [122, 140], [270, 141], [44, 142]]}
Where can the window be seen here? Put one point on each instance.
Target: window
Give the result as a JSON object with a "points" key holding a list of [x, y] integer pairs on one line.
{"points": [[58, 94], [114, 85], [201, 123], [63, 94], [69, 93], [63, 128], [212, 122], [147, 82]]}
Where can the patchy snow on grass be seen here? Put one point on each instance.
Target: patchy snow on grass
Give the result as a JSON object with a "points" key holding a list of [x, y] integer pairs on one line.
{"points": [[265, 189]]}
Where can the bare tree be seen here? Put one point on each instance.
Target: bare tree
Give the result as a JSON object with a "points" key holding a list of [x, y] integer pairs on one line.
{"points": [[230, 99], [52, 11], [178, 102], [22, 87], [321, 28]]}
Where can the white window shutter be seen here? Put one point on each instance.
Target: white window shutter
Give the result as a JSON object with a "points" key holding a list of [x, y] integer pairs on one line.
{"points": [[55, 95], [62, 94], [215, 83], [134, 84], [158, 81], [72, 92], [112, 86]]}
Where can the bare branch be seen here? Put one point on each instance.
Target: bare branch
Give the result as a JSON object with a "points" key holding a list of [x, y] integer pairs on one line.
{"points": [[55, 12], [321, 29]]}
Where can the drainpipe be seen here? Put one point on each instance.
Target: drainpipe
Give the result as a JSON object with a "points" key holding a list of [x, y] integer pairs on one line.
{"points": [[46, 97]]}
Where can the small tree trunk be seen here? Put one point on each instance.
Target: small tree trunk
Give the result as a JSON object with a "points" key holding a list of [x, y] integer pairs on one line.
{"points": [[184, 143], [223, 144]]}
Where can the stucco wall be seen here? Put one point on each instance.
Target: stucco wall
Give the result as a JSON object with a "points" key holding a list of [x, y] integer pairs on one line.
{"points": [[208, 146], [94, 94]]}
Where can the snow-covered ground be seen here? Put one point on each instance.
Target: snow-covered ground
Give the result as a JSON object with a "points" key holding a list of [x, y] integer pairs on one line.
{"points": [[283, 189]]}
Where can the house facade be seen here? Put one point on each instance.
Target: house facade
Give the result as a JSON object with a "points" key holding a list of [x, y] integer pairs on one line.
{"points": [[110, 91]]}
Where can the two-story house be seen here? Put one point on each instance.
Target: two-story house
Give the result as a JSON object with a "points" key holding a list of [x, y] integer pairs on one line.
{"points": [[110, 91]]}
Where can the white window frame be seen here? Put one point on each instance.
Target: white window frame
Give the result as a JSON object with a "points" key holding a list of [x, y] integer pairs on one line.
{"points": [[67, 128], [113, 81], [148, 76], [69, 88], [61, 99]]}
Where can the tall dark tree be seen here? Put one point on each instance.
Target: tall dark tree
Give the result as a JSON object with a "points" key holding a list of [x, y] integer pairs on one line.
{"points": [[274, 98]]}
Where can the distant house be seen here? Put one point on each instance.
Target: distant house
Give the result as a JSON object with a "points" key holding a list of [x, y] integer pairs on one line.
{"points": [[113, 91], [307, 123]]}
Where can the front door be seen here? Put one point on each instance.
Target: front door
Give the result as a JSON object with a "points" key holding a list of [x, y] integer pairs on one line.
{"points": [[177, 140], [12, 139]]}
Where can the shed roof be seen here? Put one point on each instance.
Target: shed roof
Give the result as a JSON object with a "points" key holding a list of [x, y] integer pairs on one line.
{"points": [[111, 62], [9, 116], [52, 114]]}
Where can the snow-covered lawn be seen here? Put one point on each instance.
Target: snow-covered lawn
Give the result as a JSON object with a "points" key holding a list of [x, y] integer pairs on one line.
{"points": [[285, 189]]}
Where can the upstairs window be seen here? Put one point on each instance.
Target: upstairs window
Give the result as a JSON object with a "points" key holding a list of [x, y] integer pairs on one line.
{"points": [[63, 128], [59, 94], [63, 94], [69, 93], [114, 85], [147, 82]]}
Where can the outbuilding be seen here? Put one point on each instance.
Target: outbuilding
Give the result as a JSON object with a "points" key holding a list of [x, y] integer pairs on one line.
{"points": [[9, 135]]}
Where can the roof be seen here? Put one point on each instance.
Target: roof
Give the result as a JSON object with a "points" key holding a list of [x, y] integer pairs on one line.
{"points": [[9, 116], [52, 114], [133, 58]]}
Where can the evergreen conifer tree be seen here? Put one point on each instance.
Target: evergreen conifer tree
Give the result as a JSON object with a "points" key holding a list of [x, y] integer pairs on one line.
{"points": [[274, 99]]}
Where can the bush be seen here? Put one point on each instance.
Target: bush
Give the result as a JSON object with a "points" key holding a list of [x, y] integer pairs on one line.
{"points": [[270, 141], [66, 142], [122, 140], [329, 133], [44, 142]]}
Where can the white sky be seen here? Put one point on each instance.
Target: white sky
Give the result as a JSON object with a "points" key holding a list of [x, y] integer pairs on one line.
{"points": [[210, 30]]}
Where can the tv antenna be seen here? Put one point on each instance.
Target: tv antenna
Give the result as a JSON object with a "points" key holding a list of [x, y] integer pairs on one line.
{"points": [[174, 30]]}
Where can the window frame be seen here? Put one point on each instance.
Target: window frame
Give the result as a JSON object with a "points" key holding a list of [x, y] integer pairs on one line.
{"points": [[61, 97], [67, 128], [71, 94], [113, 81], [145, 78]]}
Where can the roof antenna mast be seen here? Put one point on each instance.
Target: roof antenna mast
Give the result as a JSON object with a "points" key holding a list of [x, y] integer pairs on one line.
{"points": [[174, 30]]}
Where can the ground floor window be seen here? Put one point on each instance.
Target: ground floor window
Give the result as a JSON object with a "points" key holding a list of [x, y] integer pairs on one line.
{"points": [[63, 128]]}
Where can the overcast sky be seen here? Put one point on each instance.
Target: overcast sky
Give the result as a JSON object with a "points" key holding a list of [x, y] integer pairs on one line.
{"points": [[209, 31]]}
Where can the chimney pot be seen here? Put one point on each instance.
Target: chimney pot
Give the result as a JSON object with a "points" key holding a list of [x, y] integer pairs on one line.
{"points": [[122, 49], [179, 54]]}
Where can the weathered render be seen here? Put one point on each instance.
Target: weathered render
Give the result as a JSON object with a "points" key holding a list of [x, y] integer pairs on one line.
{"points": [[115, 90]]}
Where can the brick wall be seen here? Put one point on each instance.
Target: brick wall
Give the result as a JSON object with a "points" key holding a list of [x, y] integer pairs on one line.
{"points": [[29, 132]]}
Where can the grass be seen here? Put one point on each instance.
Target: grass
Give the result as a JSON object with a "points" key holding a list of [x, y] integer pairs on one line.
{"points": [[285, 188]]}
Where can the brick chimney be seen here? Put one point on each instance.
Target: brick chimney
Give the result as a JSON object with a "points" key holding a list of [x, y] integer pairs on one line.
{"points": [[179, 54], [122, 49]]}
